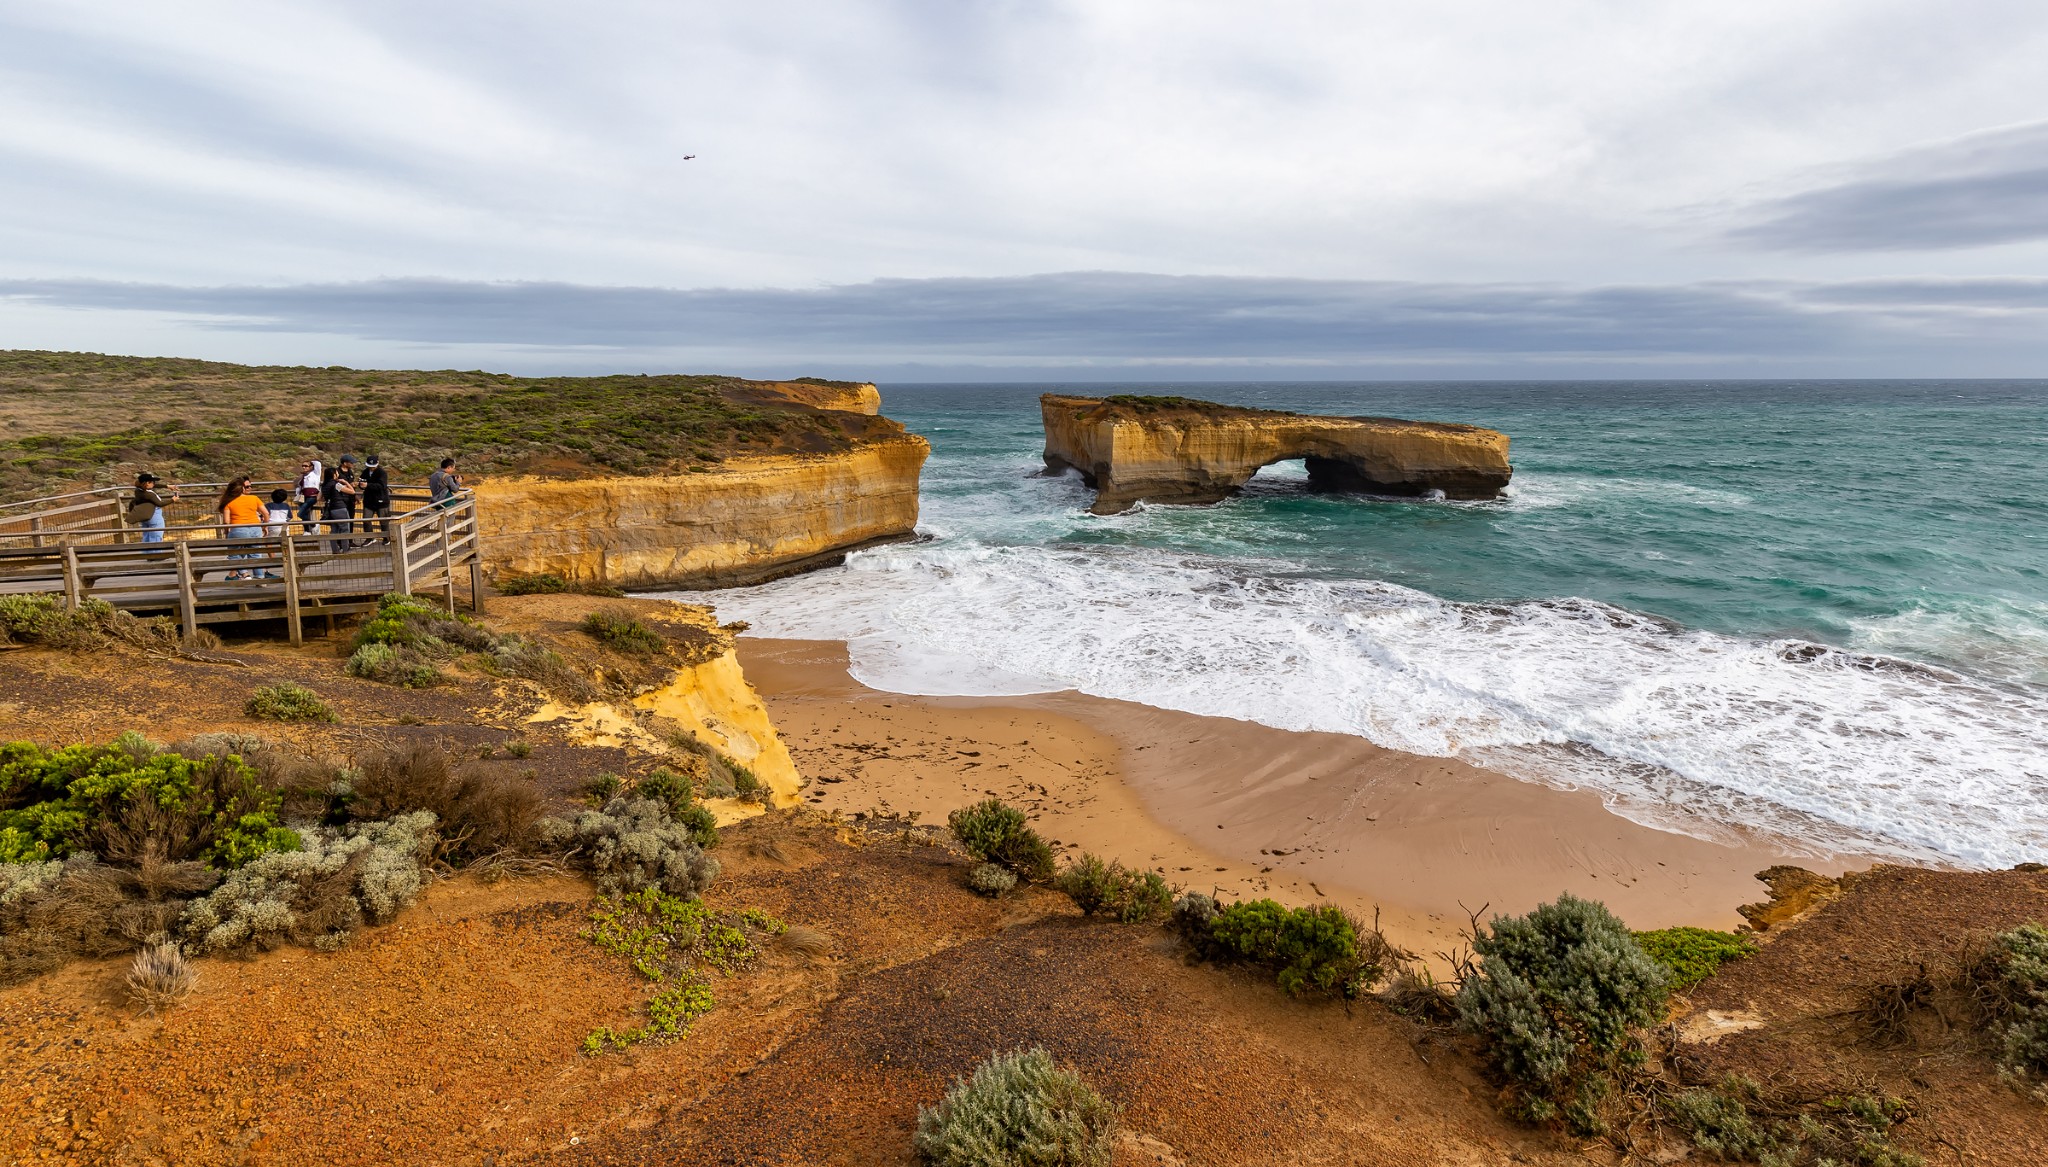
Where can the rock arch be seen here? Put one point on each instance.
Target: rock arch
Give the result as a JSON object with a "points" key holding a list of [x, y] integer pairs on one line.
{"points": [[1179, 450]]}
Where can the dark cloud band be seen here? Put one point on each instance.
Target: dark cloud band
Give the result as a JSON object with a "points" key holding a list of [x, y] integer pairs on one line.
{"points": [[1120, 317]]}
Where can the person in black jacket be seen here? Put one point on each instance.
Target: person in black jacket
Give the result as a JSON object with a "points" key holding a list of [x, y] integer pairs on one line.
{"points": [[339, 490], [377, 497]]}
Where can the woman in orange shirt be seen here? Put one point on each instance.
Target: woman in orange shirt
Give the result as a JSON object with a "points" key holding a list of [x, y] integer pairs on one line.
{"points": [[241, 516]]}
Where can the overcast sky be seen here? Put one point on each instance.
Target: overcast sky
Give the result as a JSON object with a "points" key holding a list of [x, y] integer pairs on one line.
{"points": [[995, 190]]}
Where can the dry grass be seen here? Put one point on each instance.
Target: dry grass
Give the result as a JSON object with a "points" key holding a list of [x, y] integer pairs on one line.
{"points": [[159, 977], [810, 944], [480, 811]]}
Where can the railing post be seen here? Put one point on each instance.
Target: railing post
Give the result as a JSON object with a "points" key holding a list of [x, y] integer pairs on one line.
{"points": [[35, 523], [188, 594], [74, 589], [401, 571], [291, 587], [120, 521], [447, 565]]}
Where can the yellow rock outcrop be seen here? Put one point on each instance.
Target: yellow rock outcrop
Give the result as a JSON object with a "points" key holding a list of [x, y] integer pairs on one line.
{"points": [[751, 519], [706, 695], [1182, 451]]}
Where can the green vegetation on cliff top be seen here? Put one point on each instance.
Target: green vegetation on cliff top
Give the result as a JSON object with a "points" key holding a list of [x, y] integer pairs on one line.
{"points": [[77, 419]]}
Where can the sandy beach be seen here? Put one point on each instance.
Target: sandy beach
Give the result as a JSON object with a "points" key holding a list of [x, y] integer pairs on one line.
{"points": [[1246, 809]]}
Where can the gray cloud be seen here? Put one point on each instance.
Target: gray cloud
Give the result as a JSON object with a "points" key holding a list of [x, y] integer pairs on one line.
{"points": [[1124, 318], [1976, 191]]}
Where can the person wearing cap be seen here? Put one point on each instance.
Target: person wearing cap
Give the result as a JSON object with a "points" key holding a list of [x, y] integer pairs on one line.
{"points": [[377, 497], [146, 508]]}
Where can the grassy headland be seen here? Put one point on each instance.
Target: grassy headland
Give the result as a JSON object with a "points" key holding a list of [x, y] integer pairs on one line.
{"points": [[84, 419]]}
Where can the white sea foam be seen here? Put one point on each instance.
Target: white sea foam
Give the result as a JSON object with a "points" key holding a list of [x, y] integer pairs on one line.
{"points": [[1854, 753]]}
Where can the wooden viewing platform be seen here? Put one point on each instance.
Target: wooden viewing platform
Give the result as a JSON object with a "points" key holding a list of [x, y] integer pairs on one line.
{"points": [[81, 546]]}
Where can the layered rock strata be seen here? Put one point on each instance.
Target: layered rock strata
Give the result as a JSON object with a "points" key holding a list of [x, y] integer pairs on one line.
{"points": [[1178, 450], [749, 520]]}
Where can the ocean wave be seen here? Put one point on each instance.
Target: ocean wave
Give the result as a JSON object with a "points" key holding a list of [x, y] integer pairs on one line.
{"points": [[1681, 728], [2002, 638]]}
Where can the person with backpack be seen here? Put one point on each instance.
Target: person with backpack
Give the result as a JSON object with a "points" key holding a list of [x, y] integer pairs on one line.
{"points": [[377, 497], [444, 484], [146, 507]]}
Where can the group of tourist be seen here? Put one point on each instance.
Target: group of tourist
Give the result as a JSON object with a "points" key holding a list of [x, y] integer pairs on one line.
{"points": [[350, 498]]}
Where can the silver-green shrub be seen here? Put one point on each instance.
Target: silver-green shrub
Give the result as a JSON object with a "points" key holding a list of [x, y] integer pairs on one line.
{"points": [[1558, 996], [339, 880], [25, 879], [2020, 958], [1018, 1110], [632, 843], [991, 879]]}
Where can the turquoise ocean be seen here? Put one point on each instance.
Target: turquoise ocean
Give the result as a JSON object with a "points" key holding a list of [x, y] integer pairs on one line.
{"points": [[1817, 609]]}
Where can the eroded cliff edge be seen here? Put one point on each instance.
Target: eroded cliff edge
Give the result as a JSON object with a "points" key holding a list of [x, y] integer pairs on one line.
{"points": [[752, 518], [1179, 450]]}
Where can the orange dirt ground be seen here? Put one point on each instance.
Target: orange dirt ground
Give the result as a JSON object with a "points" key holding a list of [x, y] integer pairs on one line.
{"points": [[453, 1035]]}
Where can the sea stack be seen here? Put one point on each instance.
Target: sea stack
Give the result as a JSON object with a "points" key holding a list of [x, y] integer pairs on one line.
{"points": [[1179, 450]]}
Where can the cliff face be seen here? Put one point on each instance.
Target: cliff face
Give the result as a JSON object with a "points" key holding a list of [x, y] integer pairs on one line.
{"points": [[749, 520], [1180, 451]]}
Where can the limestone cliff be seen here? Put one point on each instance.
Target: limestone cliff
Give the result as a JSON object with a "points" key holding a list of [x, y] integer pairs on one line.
{"points": [[1177, 450], [749, 519]]}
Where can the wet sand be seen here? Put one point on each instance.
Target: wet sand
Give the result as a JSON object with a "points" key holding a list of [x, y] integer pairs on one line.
{"points": [[1246, 809]]}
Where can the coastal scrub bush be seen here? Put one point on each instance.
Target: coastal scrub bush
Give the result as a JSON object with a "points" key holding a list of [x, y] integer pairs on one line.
{"points": [[1691, 955], [129, 801], [2017, 968], [339, 880], [1318, 949], [1735, 1122], [675, 792], [288, 702], [406, 637], [515, 656], [722, 776], [1557, 997], [57, 911], [665, 938], [392, 665], [540, 583], [1018, 1110], [159, 977], [629, 845], [991, 879], [621, 631], [547, 583], [995, 832], [44, 622], [1113, 890], [479, 811]]}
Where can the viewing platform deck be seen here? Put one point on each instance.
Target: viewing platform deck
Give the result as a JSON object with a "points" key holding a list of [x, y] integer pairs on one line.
{"points": [[81, 547]]}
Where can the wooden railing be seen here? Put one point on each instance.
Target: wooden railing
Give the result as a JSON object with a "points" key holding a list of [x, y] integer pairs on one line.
{"points": [[70, 550]]}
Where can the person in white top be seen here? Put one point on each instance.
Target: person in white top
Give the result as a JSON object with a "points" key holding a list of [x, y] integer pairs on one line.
{"points": [[309, 494]]}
